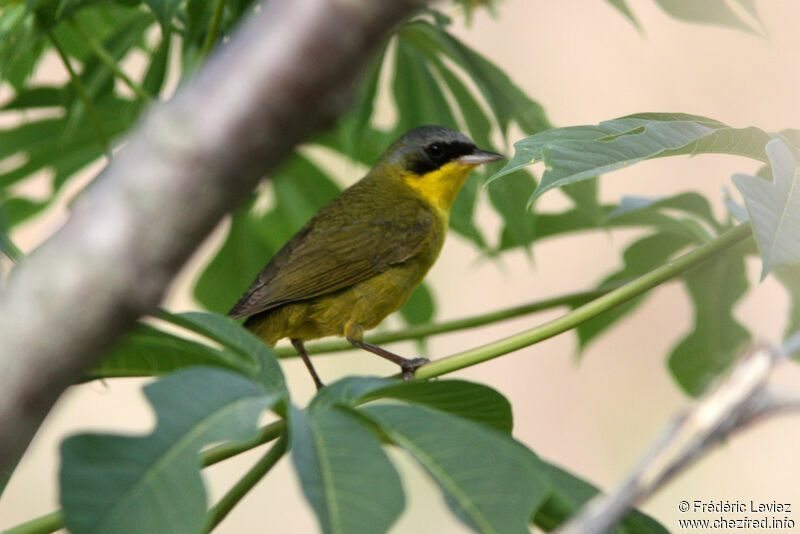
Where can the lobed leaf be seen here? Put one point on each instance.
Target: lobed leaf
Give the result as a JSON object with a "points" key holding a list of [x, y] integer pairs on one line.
{"points": [[581, 152], [489, 481], [148, 351], [345, 475], [717, 337], [774, 207], [117, 484], [468, 400]]}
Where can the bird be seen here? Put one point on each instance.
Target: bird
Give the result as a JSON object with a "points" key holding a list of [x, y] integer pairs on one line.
{"points": [[360, 257]]}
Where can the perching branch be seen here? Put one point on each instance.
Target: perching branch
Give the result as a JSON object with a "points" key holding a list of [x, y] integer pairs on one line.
{"points": [[741, 399], [592, 309], [288, 72]]}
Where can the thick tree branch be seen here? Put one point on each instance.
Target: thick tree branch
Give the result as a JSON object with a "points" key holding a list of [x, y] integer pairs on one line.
{"points": [[288, 72], [741, 399]]}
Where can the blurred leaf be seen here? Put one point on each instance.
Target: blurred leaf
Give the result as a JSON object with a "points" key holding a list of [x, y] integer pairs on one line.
{"points": [[622, 7], [735, 209], [489, 496], [570, 494], [774, 207], [717, 338], [581, 152], [706, 12], [7, 247], [301, 189], [412, 79], [789, 277], [147, 351], [344, 473], [507, 102], [116, 484], [510, 199], [476, 402], [164, 10], [420, 307], [15, 210], [21, 45], [51, 144], [238, 339], [157, 70], [640, 257]]}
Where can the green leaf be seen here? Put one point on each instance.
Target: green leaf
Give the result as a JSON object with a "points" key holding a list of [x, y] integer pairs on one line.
{"points": [[420, 307], [7, 246], [412, 78], [164, 10], [706, 12], [507, 101], [157, 70], [148, 351], [510, 199], [640, 257], [789, 278], [622, 7], [497, 496], [344, 473], [301, 189], [238, 339], [22, 45], [717, 338], [116, 485], [16, 210], [581, 152], [570, 494], [774, 207], [476, 402]]}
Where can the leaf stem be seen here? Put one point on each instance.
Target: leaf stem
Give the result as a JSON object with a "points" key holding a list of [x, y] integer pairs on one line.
{"points": [[426, 330], [40, 525], [224, 451], [246, 483], [105, 57], [587, 311], [213, 28], [82, 94]]}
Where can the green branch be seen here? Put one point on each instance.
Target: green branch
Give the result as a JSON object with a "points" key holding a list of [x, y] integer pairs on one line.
{"points": [[55, 520], [108, 61], [588, 311], [82, 94], [246, 483], [426, 330], [213, 29]]}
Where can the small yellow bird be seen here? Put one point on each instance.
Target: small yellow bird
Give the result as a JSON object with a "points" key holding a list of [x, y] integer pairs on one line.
{"points": [[360, 257]]}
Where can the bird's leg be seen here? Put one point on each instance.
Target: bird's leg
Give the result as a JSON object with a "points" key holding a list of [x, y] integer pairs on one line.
{"points": [[301, 350], [408, 365]]}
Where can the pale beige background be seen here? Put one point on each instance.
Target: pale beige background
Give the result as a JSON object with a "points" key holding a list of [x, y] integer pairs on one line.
{"points": [[584, 63]]}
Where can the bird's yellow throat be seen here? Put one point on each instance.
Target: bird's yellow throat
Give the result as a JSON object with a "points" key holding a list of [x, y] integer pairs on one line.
{"points": [[440, 187]]}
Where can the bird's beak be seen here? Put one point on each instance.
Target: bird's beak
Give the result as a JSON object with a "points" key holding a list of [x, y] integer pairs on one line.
{"points": [[479, 157]]}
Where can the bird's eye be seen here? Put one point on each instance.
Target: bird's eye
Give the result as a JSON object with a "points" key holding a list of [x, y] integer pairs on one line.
{"points": [[435, 150]]}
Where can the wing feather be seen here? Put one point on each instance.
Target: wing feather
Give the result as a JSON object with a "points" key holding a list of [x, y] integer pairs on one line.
{"points": [[336, 250]]}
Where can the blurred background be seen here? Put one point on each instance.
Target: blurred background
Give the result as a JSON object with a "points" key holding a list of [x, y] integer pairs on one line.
{"points": [[584, 63]]}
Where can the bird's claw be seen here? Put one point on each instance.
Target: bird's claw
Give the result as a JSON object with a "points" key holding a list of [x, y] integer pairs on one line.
{"points": [[411, 365]]}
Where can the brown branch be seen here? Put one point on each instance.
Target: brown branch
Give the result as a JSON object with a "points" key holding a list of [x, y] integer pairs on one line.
{"points": [[288, 72], [743, 398]]}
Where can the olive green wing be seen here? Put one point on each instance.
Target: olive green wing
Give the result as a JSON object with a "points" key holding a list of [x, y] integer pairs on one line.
{"points": [[323, 258]]}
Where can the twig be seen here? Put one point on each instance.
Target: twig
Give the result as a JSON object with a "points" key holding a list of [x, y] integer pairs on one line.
{"points": [[592, 309], [288, 72], [246, 483], [741, 399]]}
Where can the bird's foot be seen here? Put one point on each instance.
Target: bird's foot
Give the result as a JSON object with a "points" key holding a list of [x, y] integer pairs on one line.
{"points": [[410, 365]]}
